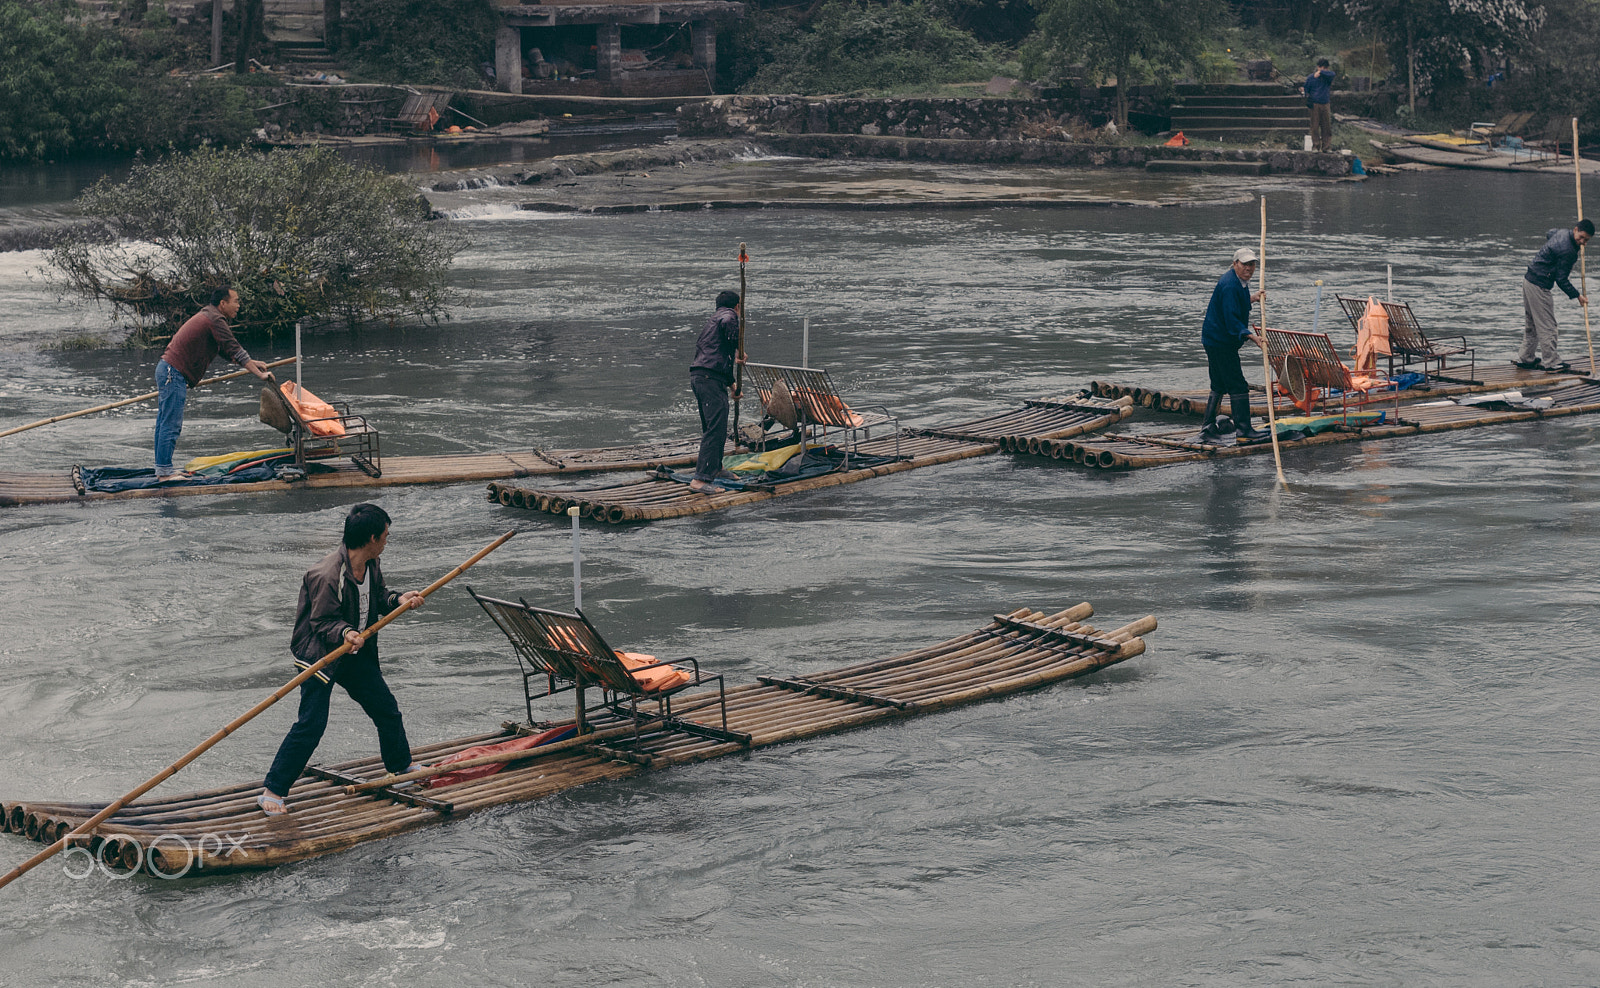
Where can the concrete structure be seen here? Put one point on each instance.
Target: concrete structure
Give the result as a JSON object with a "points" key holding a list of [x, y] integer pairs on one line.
{"points": [[529, 31]]}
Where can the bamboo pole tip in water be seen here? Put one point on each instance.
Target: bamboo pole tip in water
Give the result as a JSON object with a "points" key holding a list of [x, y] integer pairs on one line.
{"points": [[1318, 282]]}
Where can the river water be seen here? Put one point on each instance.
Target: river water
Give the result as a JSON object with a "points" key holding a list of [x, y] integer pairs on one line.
{"points": [[1359, 749]]}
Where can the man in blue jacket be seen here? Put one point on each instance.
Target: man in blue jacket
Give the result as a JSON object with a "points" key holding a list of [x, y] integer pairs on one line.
{"points": [[1550, 267], [1319, 102], [1225, 330]]}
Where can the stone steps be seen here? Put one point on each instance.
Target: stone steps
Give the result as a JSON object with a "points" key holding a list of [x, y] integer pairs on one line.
{"points": [[1243, 109]]}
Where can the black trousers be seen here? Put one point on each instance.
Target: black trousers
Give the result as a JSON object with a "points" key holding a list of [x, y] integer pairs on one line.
{"points": [[1227, 377], [712, 395], [359, 676]]}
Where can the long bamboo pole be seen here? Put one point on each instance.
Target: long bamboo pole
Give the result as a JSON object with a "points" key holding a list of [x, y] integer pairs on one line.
{"points": [[1266, 364], [238, 722], [738, 368], [1583, 263], [131, 401]]}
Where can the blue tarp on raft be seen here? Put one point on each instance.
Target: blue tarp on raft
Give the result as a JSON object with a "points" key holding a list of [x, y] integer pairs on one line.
{"points": [[115, 480]]}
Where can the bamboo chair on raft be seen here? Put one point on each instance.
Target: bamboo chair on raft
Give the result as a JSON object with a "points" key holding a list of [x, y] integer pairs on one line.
{"points": [[568, 653], [1406, 339], [319, 429], [1309, 367], [804, 399]]}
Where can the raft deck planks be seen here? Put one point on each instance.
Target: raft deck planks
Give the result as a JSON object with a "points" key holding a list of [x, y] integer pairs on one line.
{"points": [[1491, 377], [221, 829], [1122, 451], [44, 488], [656, 499]]}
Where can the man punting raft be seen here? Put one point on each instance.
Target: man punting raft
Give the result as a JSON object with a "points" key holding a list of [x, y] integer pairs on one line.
{"points": [[340, 597], [184, 363], [1550, 268], [718, 350], [1226, 328]]}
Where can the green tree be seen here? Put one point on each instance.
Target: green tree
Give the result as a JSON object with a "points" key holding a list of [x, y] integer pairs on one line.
{"points": [[60, 81], [855, 46], [1438, 36], [1116, 37], [301, 234], [422, 41]]}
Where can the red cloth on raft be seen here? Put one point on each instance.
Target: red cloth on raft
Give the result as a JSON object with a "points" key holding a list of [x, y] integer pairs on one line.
{"points": [[481, 771]]}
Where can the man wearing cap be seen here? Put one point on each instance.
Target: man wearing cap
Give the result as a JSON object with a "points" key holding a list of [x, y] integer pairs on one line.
{"points": [[1225, 330], [1551, 266]]}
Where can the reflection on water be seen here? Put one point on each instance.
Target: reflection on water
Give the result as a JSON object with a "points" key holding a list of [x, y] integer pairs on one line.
{"points": [[1355, 751]]}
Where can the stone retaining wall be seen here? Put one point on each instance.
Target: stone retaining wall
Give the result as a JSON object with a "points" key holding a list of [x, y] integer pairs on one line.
{"points": [[959, 119], [347, 111], [955, 130]]}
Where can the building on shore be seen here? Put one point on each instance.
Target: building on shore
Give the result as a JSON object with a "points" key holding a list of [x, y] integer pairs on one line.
{"points": [[618, 48]]}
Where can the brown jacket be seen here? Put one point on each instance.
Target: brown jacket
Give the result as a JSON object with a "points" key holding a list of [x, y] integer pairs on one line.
{"points": [[199, 341], [329, 604]]}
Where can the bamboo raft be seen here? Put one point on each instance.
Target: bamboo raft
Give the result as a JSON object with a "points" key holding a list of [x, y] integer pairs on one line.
{"points": [[656, 498], [220, 830], [1491, 377], [44, 488], [1126, 451]]}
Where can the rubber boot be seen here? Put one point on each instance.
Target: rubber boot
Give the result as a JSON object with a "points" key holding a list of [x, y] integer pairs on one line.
{"points": [[1241, 419], [1209, 433]]}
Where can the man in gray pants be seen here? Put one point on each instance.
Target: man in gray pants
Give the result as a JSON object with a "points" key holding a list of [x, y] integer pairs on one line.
{"points": [[1550, 267]]}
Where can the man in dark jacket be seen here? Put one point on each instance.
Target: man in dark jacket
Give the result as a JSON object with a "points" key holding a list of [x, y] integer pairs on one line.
{"points": [[341, 596], [711, 378], [1551, 266], [1225, 330], [184, 363], [1319, 105]]}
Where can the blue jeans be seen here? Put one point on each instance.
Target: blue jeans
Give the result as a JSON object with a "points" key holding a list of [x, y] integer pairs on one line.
{"points": [[172, 394], [360, 677]]}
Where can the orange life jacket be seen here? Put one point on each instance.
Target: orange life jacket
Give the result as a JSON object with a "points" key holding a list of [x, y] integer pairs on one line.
{"points": [[310, 408]]}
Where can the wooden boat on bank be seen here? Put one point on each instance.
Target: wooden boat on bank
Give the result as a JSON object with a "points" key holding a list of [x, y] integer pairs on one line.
{"points": [[1492, 161], [661, 497], [221, 830]]}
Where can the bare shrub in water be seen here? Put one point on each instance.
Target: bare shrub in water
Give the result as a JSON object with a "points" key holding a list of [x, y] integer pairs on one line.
{"points": [[301, 234]]}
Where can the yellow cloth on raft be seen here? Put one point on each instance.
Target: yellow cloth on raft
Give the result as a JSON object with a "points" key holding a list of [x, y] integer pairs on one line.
{"points": [[228, 459], [772, 459]]}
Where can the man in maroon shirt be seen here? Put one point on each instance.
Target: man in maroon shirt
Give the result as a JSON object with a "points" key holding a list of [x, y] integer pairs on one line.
{"points": [[184, 363]]}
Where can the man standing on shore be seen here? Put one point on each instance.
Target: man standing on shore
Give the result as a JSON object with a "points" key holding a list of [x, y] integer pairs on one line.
{"points": [[1550, 267], [184, 363], [1319, 103], [1225, 330], [711, 378], [340, 597]]}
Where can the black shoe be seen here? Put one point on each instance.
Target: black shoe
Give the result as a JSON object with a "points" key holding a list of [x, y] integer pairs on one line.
{"points": [[1210, 430], [1241, 420], [1527, 364]]}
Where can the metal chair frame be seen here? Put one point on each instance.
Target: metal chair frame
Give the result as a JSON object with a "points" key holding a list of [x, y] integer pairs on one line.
{"points": [[1307, 361], [360, 440], [567, 648], [1407, 340], [820, 406]]}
